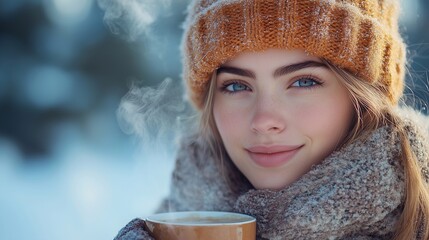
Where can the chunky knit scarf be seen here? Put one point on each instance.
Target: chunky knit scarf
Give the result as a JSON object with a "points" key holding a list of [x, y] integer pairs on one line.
{"points": [[355, 193]]}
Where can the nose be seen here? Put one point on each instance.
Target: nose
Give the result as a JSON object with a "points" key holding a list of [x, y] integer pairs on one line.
{"points": [[267, 117]]}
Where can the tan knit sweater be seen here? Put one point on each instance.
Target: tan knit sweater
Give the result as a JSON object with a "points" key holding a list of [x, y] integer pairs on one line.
{"points": [[355, 193]]}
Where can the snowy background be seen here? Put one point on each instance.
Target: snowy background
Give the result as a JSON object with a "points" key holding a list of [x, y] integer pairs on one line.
{"points": [[69, 167]]}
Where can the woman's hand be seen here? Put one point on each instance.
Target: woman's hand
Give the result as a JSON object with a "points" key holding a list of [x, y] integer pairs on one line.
{"points": [[134, 230], [264, 205]]}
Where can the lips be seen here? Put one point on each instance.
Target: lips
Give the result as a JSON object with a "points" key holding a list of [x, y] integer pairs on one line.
{"points": [[272, 156]]}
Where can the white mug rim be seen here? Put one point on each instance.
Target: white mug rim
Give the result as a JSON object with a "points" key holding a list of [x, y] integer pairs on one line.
{"points": [[163, 218]]}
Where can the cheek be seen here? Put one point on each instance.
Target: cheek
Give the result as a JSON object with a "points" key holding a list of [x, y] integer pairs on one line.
{"points": [[326, 121], [228, 120]]}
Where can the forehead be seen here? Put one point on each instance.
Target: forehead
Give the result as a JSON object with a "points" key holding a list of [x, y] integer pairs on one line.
{"points": [[272, 57]]}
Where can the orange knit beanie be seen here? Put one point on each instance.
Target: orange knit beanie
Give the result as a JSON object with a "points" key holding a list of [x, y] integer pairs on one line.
{"points": [[360, 36]]}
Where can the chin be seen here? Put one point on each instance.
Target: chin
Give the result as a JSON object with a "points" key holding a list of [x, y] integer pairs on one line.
{"points": [[270, 185]]}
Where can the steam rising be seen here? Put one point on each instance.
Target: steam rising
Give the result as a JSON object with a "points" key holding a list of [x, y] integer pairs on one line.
{"points": [[155, 115], [132, 18], [151, 114]]}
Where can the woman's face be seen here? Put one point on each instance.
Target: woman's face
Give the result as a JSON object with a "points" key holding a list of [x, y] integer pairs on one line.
{"points": [[279, 112]]}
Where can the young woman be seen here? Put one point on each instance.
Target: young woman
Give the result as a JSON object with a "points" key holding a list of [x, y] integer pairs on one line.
{"points": [[300, 121]]}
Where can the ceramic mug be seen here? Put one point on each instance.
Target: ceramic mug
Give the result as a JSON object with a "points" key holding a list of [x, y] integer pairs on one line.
{"points": [[197, 225]]}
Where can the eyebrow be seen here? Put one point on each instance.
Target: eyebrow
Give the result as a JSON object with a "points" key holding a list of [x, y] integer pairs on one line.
{"points": [[277, 73]]}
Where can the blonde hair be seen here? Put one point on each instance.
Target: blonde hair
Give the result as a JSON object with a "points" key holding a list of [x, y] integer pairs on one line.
{"points": [[372, 110], [233, 177]]}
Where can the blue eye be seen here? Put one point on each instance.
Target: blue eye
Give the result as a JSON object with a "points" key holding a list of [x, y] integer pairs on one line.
{"points": [[305, 82], [235, 87]]}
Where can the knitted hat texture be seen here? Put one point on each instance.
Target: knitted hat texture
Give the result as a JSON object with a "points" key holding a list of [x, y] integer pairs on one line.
{"points": [[361, 36]]}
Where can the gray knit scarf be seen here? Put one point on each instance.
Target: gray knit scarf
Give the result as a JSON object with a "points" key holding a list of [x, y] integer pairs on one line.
{"points": [[355, 193]]}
